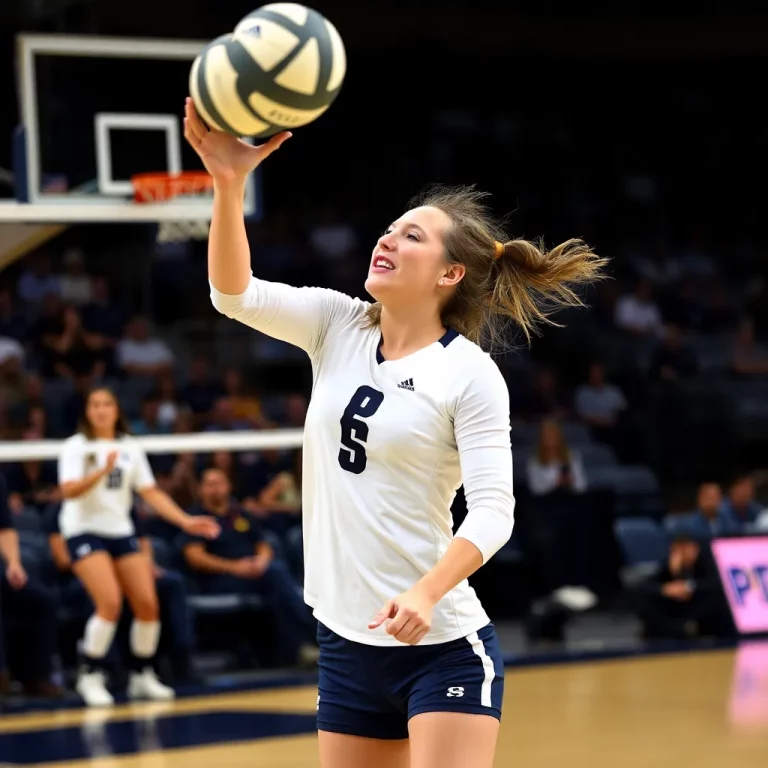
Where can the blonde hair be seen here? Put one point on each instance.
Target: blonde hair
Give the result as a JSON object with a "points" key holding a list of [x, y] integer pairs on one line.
{"points": [[562, 452], [525, 283]]}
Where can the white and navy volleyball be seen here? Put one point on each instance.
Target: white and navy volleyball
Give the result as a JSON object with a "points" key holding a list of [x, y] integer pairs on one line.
{"points": [[281, 68]]}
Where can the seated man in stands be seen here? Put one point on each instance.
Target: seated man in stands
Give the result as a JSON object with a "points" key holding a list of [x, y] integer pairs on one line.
{"points": [[241, 561], [682, 600], [708, 519], [740, 509], [32, 607], [171, 593]]}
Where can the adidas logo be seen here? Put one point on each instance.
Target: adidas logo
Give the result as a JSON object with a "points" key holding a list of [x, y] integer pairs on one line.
{"points": [[407, 384]]}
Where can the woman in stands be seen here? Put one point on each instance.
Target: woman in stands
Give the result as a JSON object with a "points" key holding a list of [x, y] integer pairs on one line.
{"points": [[100, 467], [554, 466]]}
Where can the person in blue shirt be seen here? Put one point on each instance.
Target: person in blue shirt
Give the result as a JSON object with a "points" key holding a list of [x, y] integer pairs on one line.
{"points": [[708, 521], [29, 604], [740, 508], [171, 592], [241, 561]]}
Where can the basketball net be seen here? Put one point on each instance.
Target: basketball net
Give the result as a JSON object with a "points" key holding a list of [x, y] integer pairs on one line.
{"points": [[165, 187]]}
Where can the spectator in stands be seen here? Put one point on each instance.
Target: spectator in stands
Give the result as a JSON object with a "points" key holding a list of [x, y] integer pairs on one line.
{"points": [[223, 418], [38, 281], [103, 319], [76, 286], [32, 607], [672, 361], [598, 403], [33, 484], [554, 467], [748, 357], [246, 407], [241, 561], [544, 398], [171, 592], [12, 323], [33, 396], [201, 390], [66, 348], [740, 509], [708, 519], [169, 402], [637, 313], [141, 355], [12, 357], [681, 600], [148, 422]]}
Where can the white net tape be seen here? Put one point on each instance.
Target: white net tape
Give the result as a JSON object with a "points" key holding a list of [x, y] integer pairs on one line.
{"points": [[198, 442]]}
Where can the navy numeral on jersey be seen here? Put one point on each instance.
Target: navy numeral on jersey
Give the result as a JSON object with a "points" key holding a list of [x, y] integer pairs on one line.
{"points": [[115, 479], [354, 431]]}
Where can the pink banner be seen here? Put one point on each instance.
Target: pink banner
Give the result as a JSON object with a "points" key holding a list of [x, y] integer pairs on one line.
{"points": [[743, 566]]}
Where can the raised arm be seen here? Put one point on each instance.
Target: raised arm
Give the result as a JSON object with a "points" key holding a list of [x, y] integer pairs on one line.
{"points": [[299, 316]]}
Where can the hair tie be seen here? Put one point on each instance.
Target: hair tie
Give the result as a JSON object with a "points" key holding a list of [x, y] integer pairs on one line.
{"points": [[498, 251]]}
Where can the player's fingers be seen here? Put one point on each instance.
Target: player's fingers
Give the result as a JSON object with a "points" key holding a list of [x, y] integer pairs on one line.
{"points": [[418, 636], [189, 136], [382, 615], [193, 119], [274, 143], [402, 617], [409, 631]]}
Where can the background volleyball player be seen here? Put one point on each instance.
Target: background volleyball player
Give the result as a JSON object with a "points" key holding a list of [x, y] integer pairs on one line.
{"points": [[99, 469], [405, 407]]}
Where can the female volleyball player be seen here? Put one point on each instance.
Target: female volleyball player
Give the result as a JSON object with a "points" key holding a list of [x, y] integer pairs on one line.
{"points": [[99, 469], [405, 407]]}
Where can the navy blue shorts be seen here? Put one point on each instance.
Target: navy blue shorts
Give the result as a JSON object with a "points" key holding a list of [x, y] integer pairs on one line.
{"points": [[86, 544], [373, 691]]}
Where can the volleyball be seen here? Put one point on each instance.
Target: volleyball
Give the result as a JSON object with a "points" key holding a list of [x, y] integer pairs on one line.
{"points": [[281, 68]]}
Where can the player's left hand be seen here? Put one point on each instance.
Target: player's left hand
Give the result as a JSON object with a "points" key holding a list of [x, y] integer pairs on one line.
{"points": [[409, 615], [206, 527]]}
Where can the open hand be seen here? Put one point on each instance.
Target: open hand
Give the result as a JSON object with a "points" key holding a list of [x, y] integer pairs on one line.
{"points": [[206, 527], [225, 157], [409, 616]]}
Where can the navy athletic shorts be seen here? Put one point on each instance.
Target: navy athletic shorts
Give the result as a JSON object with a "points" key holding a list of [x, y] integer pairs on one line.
{"points": [[86, 544], [373, 691]]}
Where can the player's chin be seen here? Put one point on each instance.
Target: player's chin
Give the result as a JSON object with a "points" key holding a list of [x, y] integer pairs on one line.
{"points": [[380, 284]]}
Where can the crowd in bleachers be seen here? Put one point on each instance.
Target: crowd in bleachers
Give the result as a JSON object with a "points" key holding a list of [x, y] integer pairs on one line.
{"points": [[614, 418]]}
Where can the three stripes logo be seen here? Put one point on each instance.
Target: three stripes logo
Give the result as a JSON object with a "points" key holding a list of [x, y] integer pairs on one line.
{"points": [[407, 384]]}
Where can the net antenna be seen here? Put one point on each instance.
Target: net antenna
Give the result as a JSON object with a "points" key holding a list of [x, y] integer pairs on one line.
{"points": [[162, 187]]}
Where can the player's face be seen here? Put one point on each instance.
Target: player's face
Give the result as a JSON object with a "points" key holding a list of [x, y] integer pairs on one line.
{"points": [[101, 411], [409, 258]]}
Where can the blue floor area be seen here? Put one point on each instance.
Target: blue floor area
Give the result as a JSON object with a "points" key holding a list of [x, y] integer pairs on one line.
{"points": [[123, 737]]}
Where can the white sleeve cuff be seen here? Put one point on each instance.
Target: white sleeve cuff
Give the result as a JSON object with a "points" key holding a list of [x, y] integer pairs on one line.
{"points": [[488, 529]]}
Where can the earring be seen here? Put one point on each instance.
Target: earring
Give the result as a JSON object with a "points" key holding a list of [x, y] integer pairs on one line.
{"points": [[442, 282]]}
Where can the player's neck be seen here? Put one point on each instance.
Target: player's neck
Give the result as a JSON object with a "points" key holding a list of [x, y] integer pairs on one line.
{"points": [[406, 332], [104, 434]]}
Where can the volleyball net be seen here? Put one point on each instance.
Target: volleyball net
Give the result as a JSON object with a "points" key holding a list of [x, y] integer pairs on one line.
{"points": [[196, 443]]}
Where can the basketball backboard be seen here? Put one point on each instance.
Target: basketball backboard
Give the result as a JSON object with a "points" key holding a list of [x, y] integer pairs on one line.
{"points": [[95, 111]]}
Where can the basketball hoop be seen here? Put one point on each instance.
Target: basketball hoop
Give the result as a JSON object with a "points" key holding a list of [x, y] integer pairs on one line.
{"points": [[163, 187]]}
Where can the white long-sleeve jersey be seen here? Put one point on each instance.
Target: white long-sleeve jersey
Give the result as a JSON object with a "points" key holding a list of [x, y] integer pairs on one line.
{"points": [[386, 446]]}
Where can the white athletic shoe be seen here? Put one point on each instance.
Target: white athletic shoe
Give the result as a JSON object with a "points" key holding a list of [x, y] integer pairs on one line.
{"points": [[145, 685], [91, 686]]}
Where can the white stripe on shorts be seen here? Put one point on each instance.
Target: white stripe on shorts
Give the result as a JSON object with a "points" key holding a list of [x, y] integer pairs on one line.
{"points": [[489, 673]]}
